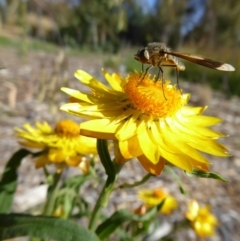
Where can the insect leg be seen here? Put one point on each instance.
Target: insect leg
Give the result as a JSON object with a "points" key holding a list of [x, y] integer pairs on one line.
{"points": [[160, 70], [142, 78], [177, 72]]}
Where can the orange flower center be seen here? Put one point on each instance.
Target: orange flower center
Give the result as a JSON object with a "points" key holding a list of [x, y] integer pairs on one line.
{"points": [[156, 99], [159, 193], [67, 128]]}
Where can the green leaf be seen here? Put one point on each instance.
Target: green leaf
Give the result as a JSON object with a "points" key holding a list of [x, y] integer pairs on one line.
{"points": [[202, 174], [76, 181], [68, 196], [8, 182], [16, 225], [122, 216], [123, 235], [160, 205]]}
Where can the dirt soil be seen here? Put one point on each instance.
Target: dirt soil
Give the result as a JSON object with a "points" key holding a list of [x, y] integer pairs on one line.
{"points": [[30, 92]]}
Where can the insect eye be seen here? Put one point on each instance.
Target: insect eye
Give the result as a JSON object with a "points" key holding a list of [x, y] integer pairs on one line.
{"points": [[146, 54]]}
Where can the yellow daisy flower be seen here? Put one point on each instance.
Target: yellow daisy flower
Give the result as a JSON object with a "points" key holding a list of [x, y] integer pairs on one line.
{"points": [[202, 221], [62, 145], [135, 113], [155, 197]]}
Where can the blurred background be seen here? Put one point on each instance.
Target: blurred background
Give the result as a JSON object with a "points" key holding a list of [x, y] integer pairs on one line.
{"points": [[43, 42], [114, 30]]}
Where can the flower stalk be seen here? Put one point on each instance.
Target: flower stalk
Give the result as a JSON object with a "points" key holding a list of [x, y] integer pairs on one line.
{"points": [[100, 204], [112, 171], [52, 193]]}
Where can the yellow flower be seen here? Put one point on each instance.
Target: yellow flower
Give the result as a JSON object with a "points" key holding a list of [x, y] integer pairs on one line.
{"points": [[62, 145], [155, 197], [202, 221], [135, 113]]}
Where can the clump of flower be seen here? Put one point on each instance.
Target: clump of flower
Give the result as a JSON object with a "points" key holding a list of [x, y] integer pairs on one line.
{"points": [[156, 196], [62, 145], [147, 119], [201, 219]]}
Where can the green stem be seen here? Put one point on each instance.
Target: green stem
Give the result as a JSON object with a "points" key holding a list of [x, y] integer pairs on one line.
{"points": [[100, 204], [135, 184], [52, 193], [112, 169]]}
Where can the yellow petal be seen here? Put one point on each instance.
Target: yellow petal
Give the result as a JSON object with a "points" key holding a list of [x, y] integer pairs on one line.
{"points": [[127, 130], [169, 205], [114, 80], [181, 161], [200, 165], [210, 146], [142, 126], [86, 145], [202, 131], [99, 129], [88, 80], [191, 131], [149, 149], [44, 127], [91, 111], [170, 139], [29, 128], [201, 120], [124, 115], [130, 148], [72, 108], [191, 111], [55, 155], [150, 167], [177, 158], [73, 161], [84, 166], [32, 144], [41, 161], [119, 158], [193, 208], [78, 95]]}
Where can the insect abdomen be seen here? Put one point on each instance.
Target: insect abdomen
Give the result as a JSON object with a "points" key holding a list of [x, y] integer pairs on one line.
{"points": [[180, 66]]}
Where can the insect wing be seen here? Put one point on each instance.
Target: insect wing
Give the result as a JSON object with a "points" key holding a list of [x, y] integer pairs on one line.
{"points": [[204, 61]]}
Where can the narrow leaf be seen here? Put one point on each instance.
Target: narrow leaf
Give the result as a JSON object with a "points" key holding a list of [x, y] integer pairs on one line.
{"points": [[122, 216], [8, 182], [137, 183], [17, 225], [202, 174]]}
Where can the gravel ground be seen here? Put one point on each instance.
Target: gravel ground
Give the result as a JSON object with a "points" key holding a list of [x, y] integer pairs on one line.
{"points": [[30, 91]]}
